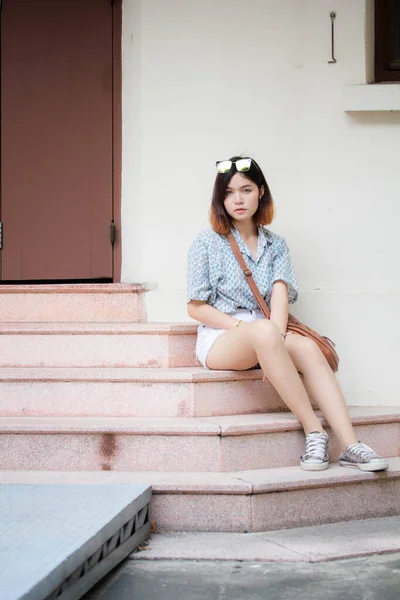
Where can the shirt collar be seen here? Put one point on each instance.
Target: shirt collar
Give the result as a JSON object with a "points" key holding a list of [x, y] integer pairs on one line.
{"points": [[264, 238]]}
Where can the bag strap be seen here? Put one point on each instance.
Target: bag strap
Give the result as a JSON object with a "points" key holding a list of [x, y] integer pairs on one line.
{"points": [[248, 275]]}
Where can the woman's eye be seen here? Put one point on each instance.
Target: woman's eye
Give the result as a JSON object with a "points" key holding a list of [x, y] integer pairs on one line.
{"points": [[228, 193], [247, 190]]}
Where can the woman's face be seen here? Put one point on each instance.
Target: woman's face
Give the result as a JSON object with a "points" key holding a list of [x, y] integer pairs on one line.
{"points": [[241, 198]]}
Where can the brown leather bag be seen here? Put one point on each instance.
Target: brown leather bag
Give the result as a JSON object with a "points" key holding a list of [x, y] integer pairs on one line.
{"points": [[324, 343]]}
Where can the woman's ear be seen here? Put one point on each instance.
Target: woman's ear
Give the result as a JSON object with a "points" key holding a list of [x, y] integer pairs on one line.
{"points": [[262, 191]]}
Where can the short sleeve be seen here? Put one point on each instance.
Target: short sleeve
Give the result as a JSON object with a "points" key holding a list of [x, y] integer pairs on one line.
{"points": [[282, 270], [198, 278]]}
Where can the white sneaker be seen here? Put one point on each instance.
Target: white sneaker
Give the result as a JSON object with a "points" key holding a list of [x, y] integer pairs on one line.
{"points": [[360, 456], [315, 457]]}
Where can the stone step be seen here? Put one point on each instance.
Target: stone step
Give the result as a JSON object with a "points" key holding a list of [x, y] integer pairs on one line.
{"points": [[317, 543], [214, 444], [250, 501], [134, 392], [97, 344], [103, 302]]}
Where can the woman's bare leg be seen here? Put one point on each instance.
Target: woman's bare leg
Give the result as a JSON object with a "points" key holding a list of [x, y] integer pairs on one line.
{"points": [[322, 386], [261, 342]]}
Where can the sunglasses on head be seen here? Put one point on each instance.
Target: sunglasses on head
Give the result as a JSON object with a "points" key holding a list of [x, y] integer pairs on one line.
{"points": [[242, 165]]}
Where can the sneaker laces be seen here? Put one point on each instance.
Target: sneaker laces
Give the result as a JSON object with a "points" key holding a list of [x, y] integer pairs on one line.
{"points": [[362, 451], [316, 445]]}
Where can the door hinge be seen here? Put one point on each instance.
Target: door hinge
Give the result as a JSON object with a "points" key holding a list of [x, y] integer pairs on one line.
{"points": [[112, 233], [1, 235]]}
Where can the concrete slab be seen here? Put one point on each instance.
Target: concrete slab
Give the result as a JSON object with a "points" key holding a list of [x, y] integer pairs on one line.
{"points": [[216, 546], [57, 541], [342, 540], [307, 544]]}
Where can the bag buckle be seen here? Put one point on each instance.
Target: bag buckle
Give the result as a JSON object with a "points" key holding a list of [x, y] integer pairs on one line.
{"points": [[247, 273]]}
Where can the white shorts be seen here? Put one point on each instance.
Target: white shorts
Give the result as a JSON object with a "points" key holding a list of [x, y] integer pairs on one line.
{"points": [[206, 336]]}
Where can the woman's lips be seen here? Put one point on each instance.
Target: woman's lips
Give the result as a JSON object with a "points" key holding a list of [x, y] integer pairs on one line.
{"points": [[240, 210]]}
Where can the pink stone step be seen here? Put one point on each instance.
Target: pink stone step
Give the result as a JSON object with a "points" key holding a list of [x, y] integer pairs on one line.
{"points": [[134, 392], [108, 302], [108, 444], [251, 501], [97, 344], [185, 444], [338, 495]]}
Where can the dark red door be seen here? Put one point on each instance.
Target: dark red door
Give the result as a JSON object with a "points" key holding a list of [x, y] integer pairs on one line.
{"points": [[57, 139]]}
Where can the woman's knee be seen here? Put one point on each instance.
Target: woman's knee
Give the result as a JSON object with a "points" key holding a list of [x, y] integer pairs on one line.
{"points": [[304, 348], [265, 332]]}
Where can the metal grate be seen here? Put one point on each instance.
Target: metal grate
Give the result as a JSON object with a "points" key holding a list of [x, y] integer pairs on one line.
{"points": [[123, 536], [58, 541]]}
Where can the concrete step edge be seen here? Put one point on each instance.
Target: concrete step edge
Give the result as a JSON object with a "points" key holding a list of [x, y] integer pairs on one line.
{"points": [[125, 374], [113, 425], [261, 481], [100, 328], [75, 288], [233, 425]]}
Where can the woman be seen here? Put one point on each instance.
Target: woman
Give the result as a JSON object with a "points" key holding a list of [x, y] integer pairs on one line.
{"points": [[233, 333]]}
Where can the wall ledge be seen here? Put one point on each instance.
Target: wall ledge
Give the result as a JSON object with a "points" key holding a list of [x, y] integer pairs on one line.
{"points": [[371, 97]]}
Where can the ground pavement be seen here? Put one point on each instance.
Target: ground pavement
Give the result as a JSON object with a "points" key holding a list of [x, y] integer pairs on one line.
{"points": [[343, 561]]}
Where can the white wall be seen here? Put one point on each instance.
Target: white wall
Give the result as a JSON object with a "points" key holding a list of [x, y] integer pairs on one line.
{"points": [[203, 80]]}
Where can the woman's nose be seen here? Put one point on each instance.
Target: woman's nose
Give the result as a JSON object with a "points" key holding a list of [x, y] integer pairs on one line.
{"points": [[238, 198]]}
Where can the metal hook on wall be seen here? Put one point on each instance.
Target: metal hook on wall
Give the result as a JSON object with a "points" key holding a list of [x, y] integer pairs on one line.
{"points": [[333, 17]]}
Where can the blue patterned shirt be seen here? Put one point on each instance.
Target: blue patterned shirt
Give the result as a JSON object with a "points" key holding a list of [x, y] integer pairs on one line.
{"points": [[215, 276]]}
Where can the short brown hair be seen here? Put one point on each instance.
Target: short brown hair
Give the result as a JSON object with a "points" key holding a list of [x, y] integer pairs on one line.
{"points": [[220, 221]]}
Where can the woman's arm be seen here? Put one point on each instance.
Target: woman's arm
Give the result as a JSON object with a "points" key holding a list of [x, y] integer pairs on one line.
{"points": [[280, 305], [203, 312]]}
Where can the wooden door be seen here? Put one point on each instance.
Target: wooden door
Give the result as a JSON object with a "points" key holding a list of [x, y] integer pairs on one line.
{"points": [[57, 139]]}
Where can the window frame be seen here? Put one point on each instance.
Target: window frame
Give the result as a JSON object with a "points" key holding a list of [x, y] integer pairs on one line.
{"points": [[387, 68]]}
